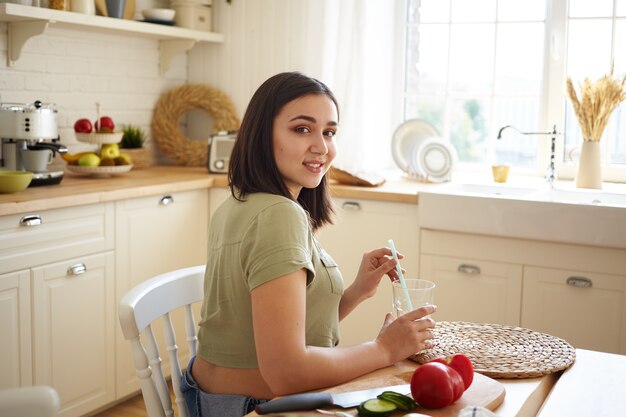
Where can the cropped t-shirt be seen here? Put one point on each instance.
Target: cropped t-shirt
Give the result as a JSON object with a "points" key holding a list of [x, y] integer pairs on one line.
{"points": [[252, 242]]}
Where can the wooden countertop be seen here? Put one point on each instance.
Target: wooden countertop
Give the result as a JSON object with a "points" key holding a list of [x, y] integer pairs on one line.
{"points": [[77, 190]]}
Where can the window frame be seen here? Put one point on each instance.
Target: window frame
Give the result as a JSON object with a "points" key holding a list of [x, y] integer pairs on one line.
{"points": [[553, 98]]}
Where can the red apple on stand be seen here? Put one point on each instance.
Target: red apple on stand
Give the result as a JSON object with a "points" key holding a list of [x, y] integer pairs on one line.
{"points": [[83, 126], [105, 125]]}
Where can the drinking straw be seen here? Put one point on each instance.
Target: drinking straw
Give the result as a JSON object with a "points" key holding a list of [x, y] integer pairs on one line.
{"points": [[399, 270]]}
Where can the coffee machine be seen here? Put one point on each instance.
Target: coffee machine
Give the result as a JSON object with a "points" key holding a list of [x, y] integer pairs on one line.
{"points": [[29, 126]]}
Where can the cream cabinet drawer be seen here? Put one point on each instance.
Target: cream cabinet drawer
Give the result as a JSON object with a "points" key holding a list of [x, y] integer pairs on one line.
{"points": [[474, 290], [587, 309], [37, 238]]}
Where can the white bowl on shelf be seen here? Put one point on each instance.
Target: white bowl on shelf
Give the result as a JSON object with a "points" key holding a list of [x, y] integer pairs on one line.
{"points": [[164, 15]]}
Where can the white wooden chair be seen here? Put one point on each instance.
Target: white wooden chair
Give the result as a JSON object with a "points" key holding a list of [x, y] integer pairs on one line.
{"points": [[37, 401], [154, 298]]}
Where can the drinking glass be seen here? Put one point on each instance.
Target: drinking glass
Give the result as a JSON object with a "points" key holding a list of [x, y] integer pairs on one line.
{"points": [[418, 293]]}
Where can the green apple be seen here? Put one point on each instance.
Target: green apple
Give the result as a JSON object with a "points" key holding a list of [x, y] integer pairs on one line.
{"points": [[110, 150], [89, 160]]}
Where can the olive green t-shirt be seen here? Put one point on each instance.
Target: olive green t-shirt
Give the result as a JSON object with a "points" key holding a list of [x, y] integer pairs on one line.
{"points": [[252, 242]]}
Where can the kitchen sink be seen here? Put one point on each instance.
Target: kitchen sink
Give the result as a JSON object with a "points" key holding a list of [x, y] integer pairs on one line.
{"points": [[589, 217], [598, 198], [495, 190]]}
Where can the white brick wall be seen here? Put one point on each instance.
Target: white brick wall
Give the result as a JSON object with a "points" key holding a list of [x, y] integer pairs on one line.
{"points": [[76, 68]]}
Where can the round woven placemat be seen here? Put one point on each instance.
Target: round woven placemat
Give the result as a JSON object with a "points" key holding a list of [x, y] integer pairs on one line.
{"points": [[500, 351]]}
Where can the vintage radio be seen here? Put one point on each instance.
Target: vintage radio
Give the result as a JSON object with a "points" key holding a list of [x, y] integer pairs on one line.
{"points": [[220, 148]]}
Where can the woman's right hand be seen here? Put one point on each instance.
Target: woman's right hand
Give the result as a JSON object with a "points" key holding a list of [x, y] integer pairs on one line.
{"points": [[408, 334]]}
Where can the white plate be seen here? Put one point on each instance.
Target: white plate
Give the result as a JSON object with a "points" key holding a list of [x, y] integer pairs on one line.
{"points": [[433, 160], [404, 139], [114, 137], [99, 171]]}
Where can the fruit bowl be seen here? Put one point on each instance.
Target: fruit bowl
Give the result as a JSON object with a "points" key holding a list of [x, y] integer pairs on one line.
{"points": [[99, 171], [115, 137], [14, 181]]}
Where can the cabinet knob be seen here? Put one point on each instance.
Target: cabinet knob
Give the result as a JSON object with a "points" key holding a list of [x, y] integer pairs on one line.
{"points": [[579, 282], [166, 199], [351, 206], [468, 269], [30, 221], [77, 269]]}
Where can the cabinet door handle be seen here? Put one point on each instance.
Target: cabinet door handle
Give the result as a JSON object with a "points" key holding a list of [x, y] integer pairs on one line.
{"points": [[32, 220], [468, 269], [77, 269], [351, 206], [166, 199], [579, 282]]}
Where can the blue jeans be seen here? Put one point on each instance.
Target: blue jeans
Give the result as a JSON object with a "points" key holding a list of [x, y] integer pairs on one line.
{"points": [[203, 404]]}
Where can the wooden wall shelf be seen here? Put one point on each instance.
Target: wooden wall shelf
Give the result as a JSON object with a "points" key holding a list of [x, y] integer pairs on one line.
{"points": [[24, 22]]}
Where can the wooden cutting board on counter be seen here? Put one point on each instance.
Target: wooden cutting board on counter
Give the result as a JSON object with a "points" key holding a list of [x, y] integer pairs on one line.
{"points": [[484, 391]]}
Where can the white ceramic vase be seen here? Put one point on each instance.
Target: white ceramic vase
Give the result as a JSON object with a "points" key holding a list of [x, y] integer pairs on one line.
{"points": [[589, 166]]}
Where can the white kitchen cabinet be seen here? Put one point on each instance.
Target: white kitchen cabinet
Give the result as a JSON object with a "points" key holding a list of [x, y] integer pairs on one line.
{"points": [[575, 292], [362, 225], [76, 345], [474, 290], [41, 303], [587, 309], [73, 331], [40, 237], [153, 235], [15, 343]]}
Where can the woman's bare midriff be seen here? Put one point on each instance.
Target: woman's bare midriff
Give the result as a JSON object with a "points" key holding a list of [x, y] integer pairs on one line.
{"points": [[219, 380]]}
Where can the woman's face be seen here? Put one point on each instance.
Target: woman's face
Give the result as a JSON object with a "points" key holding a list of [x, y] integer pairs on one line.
{"points": [[303, 140]]}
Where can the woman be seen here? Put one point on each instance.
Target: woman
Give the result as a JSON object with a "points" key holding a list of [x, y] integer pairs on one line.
{"points": [[273, 296]]}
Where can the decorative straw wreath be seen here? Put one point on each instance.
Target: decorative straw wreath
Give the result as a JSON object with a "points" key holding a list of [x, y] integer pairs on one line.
{"points": [[173, 104]]}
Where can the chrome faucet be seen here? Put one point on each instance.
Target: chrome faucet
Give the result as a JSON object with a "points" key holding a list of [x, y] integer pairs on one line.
{"points": [[550, 174]]}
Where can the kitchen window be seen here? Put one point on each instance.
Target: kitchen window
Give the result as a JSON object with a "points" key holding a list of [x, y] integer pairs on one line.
{"points": [[474, 66]]}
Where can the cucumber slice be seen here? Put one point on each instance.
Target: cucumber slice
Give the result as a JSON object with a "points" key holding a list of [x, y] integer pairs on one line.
{"points": [[403, 402], [376, 408]]}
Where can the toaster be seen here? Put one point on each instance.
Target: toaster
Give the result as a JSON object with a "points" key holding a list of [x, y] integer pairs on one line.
{"points": [[220, 148]]}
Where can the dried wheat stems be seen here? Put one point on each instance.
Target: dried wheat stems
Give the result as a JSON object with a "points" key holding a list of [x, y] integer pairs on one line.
{"points": [[597, 102]]}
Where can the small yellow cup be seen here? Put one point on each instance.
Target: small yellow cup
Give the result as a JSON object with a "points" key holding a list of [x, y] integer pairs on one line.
{"points": [[500, 172]]}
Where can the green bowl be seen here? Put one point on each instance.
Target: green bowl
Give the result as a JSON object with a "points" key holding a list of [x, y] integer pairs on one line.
{"points": [[14, 181]]}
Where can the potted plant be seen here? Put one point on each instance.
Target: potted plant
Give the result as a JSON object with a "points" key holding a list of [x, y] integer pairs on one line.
{"points": [[133, 143]]}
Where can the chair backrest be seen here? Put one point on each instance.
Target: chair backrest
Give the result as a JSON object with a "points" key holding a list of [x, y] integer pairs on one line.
{"points": [[138, 309], [37, 401]]}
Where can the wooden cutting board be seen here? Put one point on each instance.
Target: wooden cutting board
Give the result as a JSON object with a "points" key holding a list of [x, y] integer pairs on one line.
{"points": [[484, 391]]}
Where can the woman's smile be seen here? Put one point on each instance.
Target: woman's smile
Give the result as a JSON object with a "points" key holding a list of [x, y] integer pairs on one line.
{"points": [[315, 166]]}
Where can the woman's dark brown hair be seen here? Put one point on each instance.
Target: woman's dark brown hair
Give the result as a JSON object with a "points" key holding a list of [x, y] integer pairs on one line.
{"points": [[252, 166]]}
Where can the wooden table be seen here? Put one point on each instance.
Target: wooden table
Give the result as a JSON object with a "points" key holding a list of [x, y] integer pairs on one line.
{"points": [[595, 385]]}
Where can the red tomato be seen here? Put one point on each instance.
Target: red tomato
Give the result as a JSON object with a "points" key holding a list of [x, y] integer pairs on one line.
{"points": [[435, 385], [462, 364]]}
